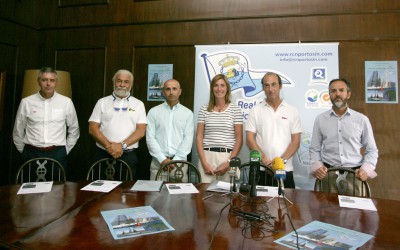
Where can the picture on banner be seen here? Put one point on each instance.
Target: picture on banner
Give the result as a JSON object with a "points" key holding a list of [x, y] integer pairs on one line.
{"points": [[305, 69], [381, 84], [157, 75]]}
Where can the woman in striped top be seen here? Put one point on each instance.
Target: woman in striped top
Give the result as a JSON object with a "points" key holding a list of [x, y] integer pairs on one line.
{"points": [[219, 131]]}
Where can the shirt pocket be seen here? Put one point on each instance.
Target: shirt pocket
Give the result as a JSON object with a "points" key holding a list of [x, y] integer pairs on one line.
{"points": [[58, 114], [353, 130]]}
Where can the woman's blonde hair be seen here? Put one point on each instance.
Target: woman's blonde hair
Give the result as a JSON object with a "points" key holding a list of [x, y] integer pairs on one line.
{"points": [[211, 102]]}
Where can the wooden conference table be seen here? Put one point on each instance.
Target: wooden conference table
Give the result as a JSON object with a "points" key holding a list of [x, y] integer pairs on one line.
{"points": [[68, 218]]}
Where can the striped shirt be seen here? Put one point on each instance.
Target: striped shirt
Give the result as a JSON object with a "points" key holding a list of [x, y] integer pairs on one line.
{"points": [[219, 127]]}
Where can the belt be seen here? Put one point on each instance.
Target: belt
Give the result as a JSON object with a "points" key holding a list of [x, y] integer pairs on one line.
{"points": [[331, 166], [170, 157], [129, 150], [225, 150], [41, 149]]}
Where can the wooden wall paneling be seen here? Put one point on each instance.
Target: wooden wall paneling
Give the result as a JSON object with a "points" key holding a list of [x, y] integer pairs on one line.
{"points": [[182, 58], [121, 50], [133, 12], [387, 5], [77, 3], [272, 30], [3, 75], [383, 117], [341, 27], [340, 7], [8, 64], [18, 49], [87, 70], [20, 12]]}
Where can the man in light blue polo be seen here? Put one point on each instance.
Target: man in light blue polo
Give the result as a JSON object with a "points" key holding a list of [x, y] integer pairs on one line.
{"points": [[170, 129]]}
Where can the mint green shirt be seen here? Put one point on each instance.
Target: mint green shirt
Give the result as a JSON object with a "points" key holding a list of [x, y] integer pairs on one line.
{"points": [[169, 132]]}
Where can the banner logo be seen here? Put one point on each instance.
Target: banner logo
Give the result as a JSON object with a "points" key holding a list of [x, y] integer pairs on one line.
{"points": [[236, 67], [318, 75]]}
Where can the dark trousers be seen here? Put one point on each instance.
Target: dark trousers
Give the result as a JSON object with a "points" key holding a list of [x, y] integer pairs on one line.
{"points": [[58, 153], [289, 182], [128, 157]]}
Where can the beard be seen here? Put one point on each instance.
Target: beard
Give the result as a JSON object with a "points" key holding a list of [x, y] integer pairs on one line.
{"points": [[121, 92], [339, 103]]}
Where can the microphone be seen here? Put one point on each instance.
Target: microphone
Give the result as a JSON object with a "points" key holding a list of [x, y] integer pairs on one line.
{"points": [[255, 157], [278, 165], [234, 165]]}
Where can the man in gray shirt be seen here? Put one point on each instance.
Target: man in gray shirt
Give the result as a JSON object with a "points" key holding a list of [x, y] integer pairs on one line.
{"points": [[339, 134]]}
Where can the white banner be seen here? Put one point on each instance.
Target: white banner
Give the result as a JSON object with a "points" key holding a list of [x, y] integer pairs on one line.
{"points": [[305, 69]]}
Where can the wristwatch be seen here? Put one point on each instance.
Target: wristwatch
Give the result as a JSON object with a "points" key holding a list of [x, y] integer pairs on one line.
{"points": [[124, 146], [284, 160]]}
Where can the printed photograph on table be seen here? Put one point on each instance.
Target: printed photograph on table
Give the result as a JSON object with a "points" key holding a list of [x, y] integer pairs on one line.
{"points": [[136, 221], [319, 235], [157, 75], [381, 85]]}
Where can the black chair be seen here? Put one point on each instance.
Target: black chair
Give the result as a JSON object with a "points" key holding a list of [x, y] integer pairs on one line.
{"points": [[342, 181], [264, 177], [110, 169], [40, 170], [178, 172]]}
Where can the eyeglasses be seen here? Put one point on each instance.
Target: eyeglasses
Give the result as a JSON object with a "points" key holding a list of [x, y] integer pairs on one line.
{"points": [[121, 104]]}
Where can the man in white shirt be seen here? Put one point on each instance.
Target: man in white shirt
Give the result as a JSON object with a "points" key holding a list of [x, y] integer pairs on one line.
{"points": [[118, 122], [170, 129], [274, 127], [46, 124]]}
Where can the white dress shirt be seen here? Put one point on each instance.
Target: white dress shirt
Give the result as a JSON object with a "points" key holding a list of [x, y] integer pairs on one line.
{"points": [[44, 122]]}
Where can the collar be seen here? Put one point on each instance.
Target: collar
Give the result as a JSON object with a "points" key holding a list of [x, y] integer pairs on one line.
{"points": [[116, 97], [348, 112], [173, 108], [283, 103], [44, 99]]}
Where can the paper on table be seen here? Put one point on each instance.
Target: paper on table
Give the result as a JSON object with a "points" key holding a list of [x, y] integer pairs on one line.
{"points": [[35, 187], [146, 185], [356, 202], [267, 191], [319, 235], [181, 188], [101, 186], [219, 186], [135, 222]]}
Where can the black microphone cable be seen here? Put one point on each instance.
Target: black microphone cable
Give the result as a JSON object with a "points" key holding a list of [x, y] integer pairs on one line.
{"points": [[290, 219], [216, 225], [258, 220]]}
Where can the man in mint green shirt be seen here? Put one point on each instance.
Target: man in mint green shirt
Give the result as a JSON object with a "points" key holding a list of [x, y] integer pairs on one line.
{"points": [[170, 129]]}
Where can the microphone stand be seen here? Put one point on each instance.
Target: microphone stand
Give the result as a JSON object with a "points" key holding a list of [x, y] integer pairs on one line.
{"points": [[233, 190], [280, 192], [233, 184]]}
